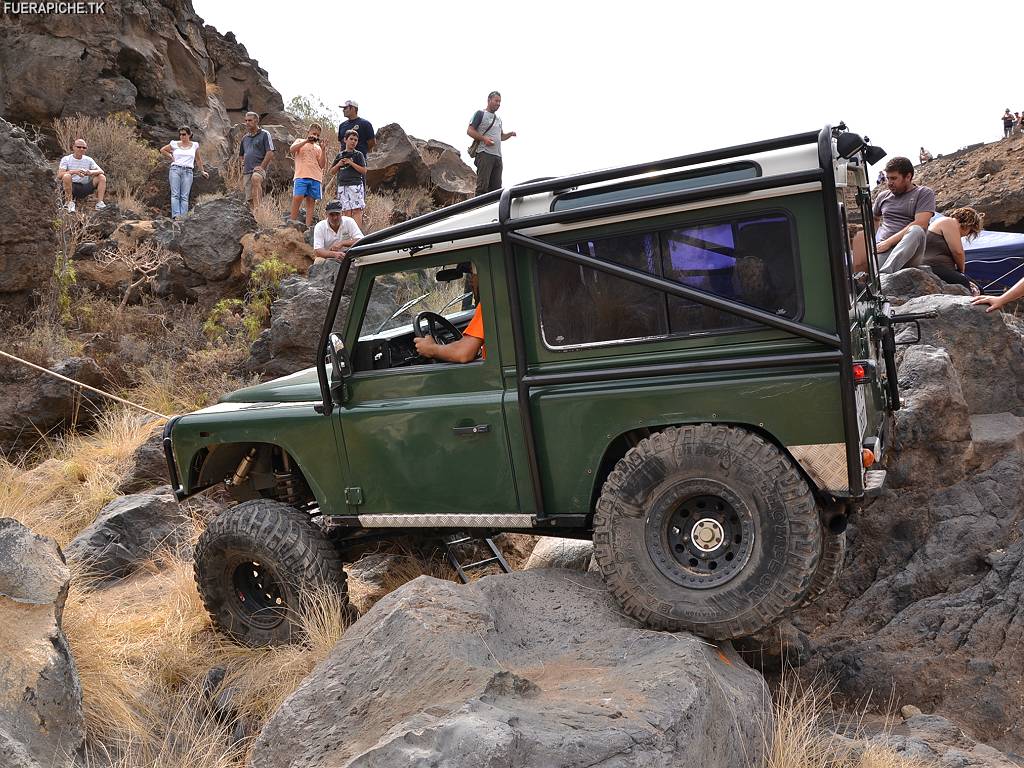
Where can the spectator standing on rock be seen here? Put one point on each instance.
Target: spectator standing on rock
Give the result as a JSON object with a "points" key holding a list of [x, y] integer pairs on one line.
{"points": [[81, 176], [1007, 122], [998, 302], [184, 156], [335, 234], [350, 165], [256, 152], [309, 173], [944, 249], [353, 121], [485, 130], [925, 156], [902, 213], [880, 179]]}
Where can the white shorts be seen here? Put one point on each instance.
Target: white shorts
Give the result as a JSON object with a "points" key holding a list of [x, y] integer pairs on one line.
{"points": [[352, 197]]}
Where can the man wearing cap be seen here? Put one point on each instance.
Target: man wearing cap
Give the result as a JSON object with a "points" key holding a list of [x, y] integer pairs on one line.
{"points": [[335, 234], [353, 122], [485, 130]]}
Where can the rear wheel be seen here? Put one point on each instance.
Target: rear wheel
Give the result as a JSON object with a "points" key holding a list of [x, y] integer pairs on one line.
{"points": [[709, 529], [254, 565]]}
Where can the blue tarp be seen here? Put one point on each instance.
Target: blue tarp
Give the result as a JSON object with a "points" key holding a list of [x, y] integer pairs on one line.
{"points": [[995, 260]]}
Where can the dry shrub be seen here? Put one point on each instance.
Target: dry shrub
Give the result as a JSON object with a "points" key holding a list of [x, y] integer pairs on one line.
{"points": [[115, 146], [801, 734], [169, 386], [78, 475], [271, 208], [385, 208], [409, 565]]}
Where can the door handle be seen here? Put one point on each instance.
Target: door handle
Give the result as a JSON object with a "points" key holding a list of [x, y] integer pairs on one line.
{"points": [[476, 429]]}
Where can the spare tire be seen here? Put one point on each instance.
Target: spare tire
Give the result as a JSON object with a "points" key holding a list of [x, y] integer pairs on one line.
{"points": [[256, 563], [709, 529]]}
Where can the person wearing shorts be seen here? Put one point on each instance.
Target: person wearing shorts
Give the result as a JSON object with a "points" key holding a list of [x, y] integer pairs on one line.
{"points": [[255, 151], [350, 165], [80, 176], [309, 172]]}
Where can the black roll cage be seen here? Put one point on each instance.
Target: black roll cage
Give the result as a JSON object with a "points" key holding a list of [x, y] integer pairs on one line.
{"points": [[838, 345]]}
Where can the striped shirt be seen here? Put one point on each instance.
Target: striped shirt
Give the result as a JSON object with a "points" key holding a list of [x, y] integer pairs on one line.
{"points": [[72, 163]]}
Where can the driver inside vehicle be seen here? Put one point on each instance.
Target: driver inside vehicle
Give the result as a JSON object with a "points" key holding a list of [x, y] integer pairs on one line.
{"points": [[465, 349]]}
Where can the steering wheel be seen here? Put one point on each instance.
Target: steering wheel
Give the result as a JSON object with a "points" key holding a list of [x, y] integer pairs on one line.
{"points": [[439, 327]]}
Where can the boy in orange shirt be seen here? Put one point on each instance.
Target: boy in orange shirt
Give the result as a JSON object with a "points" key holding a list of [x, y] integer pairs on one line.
{"points": [[310, 161]]}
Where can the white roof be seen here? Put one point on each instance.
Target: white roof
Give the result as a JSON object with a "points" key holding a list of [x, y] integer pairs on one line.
{"points": [[773, 163]]}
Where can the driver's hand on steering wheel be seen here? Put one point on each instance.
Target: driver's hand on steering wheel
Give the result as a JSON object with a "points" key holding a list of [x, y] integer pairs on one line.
{"points": [[425, 346]]}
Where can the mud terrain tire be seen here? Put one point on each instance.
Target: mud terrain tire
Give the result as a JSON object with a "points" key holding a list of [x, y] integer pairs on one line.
{"points": [[709, 529], [255, 563], [833, 552]]}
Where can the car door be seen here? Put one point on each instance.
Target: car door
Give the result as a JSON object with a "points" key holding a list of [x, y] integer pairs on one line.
{"points": [[423, 437]]}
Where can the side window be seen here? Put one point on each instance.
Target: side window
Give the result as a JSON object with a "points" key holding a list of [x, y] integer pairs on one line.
{"points": [[581, 306], [396, 298], [749, 259]]}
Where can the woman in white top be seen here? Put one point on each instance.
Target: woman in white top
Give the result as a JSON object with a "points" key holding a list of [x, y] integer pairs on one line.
{"points": [[184, 157]]}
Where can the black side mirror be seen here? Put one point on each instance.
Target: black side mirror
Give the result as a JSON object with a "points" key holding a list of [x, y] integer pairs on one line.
{"points": [[341, 366]]}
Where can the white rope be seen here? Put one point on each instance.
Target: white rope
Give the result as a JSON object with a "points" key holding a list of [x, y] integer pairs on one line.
{"points": [[83, 386]]}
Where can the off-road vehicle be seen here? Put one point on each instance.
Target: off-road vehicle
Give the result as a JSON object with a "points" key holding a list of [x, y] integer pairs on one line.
{"points": [[680, 363]]}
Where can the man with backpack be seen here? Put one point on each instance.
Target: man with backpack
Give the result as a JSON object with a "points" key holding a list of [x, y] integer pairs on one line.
{"points": [[485, 130]]}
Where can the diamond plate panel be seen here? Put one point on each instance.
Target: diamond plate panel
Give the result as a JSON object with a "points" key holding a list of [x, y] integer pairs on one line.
{"points": [[446, 521], [825, 463]]}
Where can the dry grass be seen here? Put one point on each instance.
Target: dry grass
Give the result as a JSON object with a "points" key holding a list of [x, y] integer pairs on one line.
{"points": [[114, 145], [272, 206], [801, 735], [80, 473]]}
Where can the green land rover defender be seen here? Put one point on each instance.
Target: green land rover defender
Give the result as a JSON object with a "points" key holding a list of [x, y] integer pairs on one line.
{"points": [[680, 362]]}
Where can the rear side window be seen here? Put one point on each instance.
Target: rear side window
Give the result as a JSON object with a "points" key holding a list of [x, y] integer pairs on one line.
{"points": [[749, 259]]}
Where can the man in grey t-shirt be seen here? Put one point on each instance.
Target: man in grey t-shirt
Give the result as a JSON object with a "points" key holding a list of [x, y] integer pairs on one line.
{"points": [[485, 130], [902, 213], [255, 152]]}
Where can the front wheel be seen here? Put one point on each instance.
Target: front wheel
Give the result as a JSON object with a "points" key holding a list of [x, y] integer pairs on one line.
{"points": [[255, 565], [709, 529]]}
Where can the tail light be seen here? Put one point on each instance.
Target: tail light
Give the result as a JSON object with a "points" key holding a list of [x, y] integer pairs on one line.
{"points": [[863, 371]]}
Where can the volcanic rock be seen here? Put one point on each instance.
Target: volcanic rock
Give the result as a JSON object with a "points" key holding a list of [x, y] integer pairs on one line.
{"points": [[531, 668]]}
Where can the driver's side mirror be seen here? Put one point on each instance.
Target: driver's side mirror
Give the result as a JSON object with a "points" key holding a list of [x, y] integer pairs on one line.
{"points": [[341, 366]]}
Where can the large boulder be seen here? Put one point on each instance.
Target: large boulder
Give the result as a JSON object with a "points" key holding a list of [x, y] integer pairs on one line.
{"points": [[126, 533], [986, 349], [36, 404], [154, 59], [451, 180], [554, 552], [208, 248], [916, 281], [296, 319], [395, 161], [532, 668], [931, 436], [41, 723], [27, 243]]}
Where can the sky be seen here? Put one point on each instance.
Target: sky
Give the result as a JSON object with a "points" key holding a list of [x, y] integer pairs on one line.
{"points": [[589, 85]]}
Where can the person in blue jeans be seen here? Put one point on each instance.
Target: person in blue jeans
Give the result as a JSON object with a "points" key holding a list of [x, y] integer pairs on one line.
{"points": [[185, 158]]}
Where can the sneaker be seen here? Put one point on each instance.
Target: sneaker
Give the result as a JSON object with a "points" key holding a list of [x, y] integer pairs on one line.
{"points": [[71, 207], [100, 205]]}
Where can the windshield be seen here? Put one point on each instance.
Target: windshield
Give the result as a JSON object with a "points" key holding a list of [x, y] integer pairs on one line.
{"points": [[397, 298]]}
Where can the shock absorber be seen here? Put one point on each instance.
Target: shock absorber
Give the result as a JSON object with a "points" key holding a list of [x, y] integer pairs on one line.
{"points": [[286, 484]]}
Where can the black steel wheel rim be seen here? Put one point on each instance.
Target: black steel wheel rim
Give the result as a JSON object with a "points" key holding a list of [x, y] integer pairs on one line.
{"points": [[702, 537], [259, 598]]}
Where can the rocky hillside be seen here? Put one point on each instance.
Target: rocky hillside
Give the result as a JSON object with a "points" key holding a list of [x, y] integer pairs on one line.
{"points": [[154, 59], [989, 177]]}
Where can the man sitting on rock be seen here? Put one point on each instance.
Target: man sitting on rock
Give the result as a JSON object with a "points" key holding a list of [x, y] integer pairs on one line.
{"points": [[902, 213], [335, 234], [81, 176]]}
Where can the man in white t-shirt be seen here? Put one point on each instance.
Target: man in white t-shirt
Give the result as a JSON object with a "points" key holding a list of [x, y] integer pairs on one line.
{"points": [[81, 176], [335, 234]]}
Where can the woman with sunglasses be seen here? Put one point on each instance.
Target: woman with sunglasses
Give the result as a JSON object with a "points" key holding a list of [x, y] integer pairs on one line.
{"points": [[184, 156]]}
